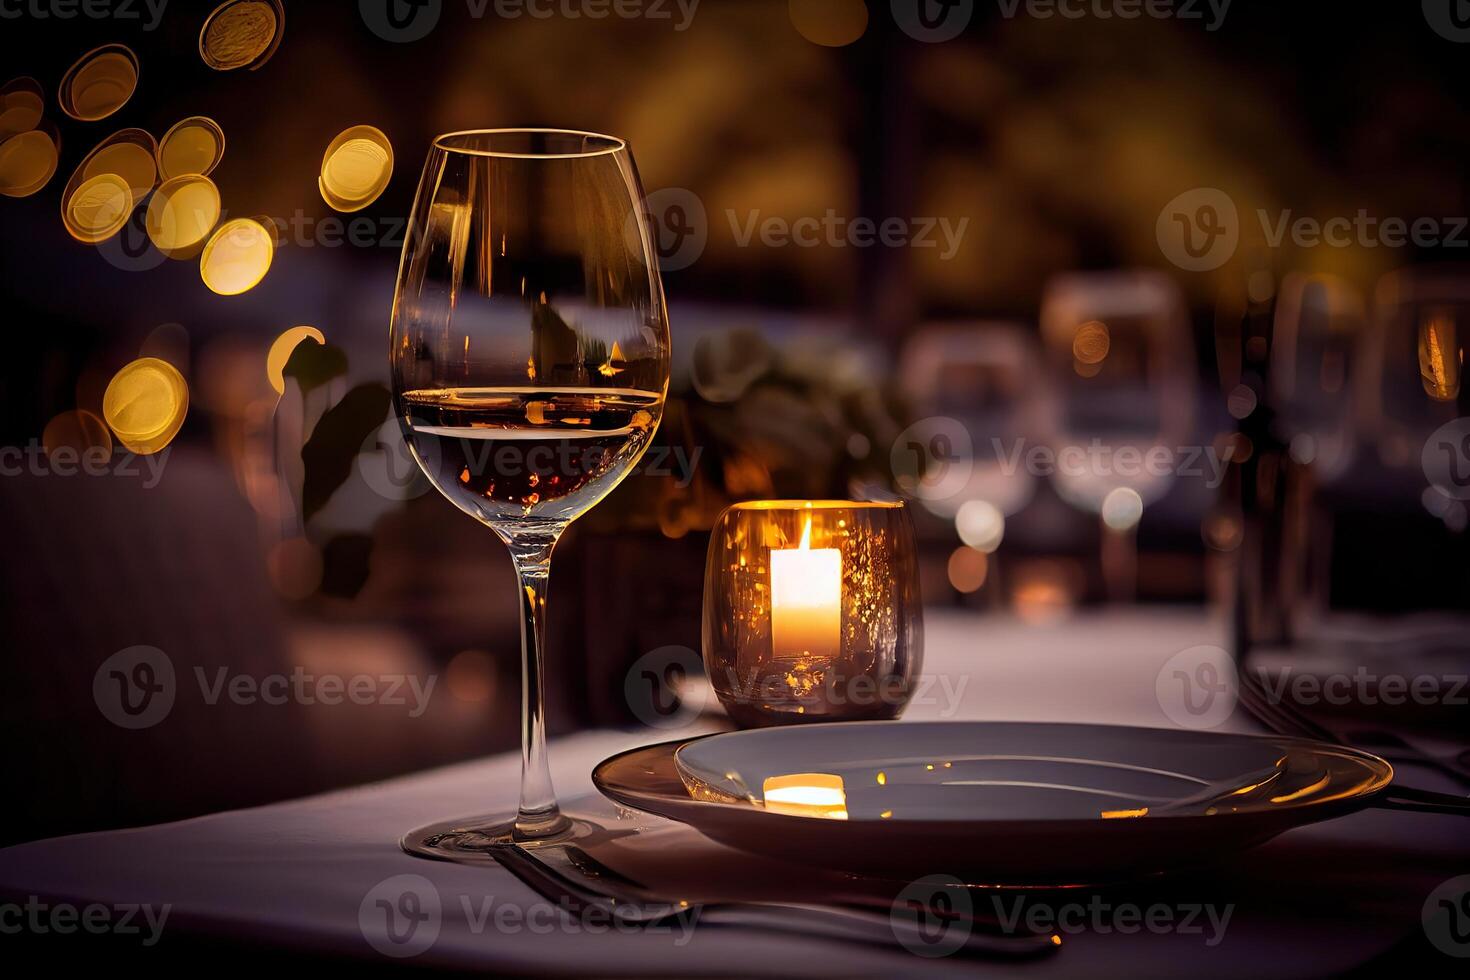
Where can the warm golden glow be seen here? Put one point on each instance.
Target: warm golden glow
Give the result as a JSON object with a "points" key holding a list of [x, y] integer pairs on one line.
{"points": [[98, 209], [1307, 790], [830, 23], [130, 155], [1091, 343], [145, 405], [100, 83], [356, 168], [237, 257], [79, 431], [241, 34], [967, 569], [1439, 355], [182, 214], [1121, 814], [192, 146], [806, 794], [21, 107], [281, 351], [806, 601], [1122, 508], [27, 163]]}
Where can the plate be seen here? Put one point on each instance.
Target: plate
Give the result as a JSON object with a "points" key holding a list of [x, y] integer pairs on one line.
{"points": [[999, 802]]}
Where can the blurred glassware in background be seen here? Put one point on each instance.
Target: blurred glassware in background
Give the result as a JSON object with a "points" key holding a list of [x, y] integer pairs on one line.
{"points": [[1121, 359]]}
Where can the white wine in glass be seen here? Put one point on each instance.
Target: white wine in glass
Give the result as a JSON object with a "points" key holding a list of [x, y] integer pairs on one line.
{"points": [[530, 362]]}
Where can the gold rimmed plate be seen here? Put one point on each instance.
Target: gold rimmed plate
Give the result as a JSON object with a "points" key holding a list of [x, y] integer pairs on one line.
{"points": [[1004, 803]]}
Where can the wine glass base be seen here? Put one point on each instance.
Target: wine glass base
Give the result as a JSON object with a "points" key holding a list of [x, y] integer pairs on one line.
{"points": [[466, 840]]}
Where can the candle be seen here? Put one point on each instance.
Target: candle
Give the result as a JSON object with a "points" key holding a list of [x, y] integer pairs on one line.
{"points": [[806, 601]]}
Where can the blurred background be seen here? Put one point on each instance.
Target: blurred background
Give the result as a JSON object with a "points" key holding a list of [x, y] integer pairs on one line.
{"points": [[1103, 236]]}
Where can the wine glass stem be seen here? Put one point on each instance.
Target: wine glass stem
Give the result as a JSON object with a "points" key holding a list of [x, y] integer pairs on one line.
{"points": [[538, 815]]}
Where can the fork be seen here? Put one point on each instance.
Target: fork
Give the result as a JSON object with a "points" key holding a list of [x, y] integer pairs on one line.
{"points": [[566, 875]]}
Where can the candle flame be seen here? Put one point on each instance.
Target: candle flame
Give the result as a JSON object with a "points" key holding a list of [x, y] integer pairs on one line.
{"points": [[806, 536]]}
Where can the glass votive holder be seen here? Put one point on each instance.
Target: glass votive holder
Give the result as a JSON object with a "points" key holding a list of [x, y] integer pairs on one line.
{"points": [[812, 611]]}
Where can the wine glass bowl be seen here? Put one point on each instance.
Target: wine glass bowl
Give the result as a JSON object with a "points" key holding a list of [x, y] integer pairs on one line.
{"points": [[529, 353]]}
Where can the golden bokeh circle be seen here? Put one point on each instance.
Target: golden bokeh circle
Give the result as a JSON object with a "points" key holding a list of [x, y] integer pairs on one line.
{"points": [[98, 208], [146, 404], [238, 256], [1091, 343], [22, 103], [130, 155], [830, 23], [191, 146], [182, 213], [99, 83], [27, 163], [356, 168], [79, 431], [241, 34], [281, 351]]}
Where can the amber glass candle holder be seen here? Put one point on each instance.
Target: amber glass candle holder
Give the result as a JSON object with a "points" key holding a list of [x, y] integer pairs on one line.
{"points": [[812, 612]]}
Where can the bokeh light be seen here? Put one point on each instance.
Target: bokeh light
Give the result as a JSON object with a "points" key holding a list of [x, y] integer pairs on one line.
{"points": [[968, 569], [1091, 343], [145, 405], [281, 351], [129, 153], [1122, 508], [22, 103], [100, 83], [238, 256], [182, 214], [191, 146], [98, 208], [356, 168], [241, 34], [830, 23], [79, 431], [980, 524], [27, 163], [472, 677]]}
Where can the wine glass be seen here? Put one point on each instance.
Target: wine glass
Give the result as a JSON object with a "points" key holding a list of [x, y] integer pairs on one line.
{"points": [[530, 362]]}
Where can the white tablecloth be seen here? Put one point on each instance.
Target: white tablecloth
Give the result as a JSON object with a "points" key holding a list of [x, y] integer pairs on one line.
{"points": [[296, 875]]}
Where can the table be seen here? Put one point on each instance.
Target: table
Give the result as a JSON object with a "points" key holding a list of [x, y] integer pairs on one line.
{"points": [[294, 877]]}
